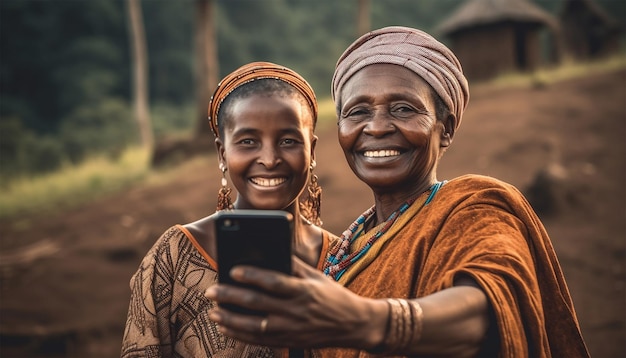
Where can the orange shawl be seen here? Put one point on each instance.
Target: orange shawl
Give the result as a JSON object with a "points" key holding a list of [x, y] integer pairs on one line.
{"points": [[483, 228]]}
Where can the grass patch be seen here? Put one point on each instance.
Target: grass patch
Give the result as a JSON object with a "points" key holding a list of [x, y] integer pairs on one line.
{"points": [[326, 113], [74, 184], [549, 75]]}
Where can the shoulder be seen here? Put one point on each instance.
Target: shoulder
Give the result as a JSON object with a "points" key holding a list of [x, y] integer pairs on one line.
{"points": [[479, 190], [167, 244], [327, 235], [478, 182], [203, 229], [170, 237], [473, 185], [160, 254]]}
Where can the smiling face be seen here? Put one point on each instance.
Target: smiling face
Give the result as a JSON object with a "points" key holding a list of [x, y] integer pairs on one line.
{"points": [[388, 129], [267, 146]]}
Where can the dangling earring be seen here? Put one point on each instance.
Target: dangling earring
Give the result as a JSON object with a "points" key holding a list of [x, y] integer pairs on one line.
{"points": [[223, 196], [312, 205]]}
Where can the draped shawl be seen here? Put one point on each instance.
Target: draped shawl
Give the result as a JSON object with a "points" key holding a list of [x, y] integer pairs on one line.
{"points": [[484, 228]]}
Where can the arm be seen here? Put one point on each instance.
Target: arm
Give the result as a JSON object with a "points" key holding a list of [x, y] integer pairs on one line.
{"points": [[314, 311], [455, 321], [143, 333]]}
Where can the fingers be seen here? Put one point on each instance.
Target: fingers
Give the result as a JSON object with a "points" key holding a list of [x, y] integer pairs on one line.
{"points": [[265, 292], [239, 322], [253, 329], [277, 283], [240, 296]]}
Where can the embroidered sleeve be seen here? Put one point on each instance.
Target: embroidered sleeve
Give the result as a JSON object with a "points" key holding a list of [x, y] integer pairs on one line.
{"points": [[147, 332]]}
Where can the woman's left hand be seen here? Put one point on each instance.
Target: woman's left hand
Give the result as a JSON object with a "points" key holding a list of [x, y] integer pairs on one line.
{"points": [[304, 310]]}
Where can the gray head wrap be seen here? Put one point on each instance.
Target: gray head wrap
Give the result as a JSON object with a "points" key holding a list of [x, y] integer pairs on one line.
{"points": [[413, 49]]}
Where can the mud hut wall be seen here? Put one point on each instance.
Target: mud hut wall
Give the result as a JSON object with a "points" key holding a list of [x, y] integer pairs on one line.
{"points": [[485, 51], [574, 33], [532, 48], [587, 35]]}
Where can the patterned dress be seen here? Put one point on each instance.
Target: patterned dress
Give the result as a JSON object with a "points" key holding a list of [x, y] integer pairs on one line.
{"points": [[168, 313]]}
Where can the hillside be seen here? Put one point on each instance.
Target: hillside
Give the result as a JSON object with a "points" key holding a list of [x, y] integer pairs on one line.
{"points": [[64, 275]]}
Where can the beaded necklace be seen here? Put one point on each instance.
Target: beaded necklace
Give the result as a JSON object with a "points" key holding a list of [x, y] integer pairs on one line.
{"points": [[339, 260]]}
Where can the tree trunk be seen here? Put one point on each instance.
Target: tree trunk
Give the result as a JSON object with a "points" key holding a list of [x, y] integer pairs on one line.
{"points": [[140, 74], [207, 66], [363, 17]]}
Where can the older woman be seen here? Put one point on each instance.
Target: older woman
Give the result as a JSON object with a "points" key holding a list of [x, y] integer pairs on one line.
{"points": [[455, 268]]}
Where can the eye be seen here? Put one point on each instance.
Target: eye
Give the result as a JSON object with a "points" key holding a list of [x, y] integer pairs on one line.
{"points": [[356, 112], [289, 141], [402, 108], [246, 141]]}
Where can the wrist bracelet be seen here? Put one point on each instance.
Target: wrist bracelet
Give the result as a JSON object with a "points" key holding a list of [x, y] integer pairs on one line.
{"points": [[404, 326]]}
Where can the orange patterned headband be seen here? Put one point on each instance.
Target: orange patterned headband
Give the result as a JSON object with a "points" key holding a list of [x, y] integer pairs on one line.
{"points": [[254, 71]]}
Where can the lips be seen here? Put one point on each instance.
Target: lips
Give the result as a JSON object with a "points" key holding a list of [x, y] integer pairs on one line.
{"points": [[268, 182], [381, 153]]}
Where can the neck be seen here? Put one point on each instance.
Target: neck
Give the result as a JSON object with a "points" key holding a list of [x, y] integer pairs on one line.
{"points": [[388, 202], [307, 238]]}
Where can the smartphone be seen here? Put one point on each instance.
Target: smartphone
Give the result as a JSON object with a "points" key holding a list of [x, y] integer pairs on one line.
{"points": [[261, 238]]}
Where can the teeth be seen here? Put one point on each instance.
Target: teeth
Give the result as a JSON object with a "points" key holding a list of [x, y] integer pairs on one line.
{"points": [[381, 153], [268, 182]]}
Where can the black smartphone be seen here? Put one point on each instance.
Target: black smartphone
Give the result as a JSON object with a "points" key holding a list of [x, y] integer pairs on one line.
{"points": [[261, 238]]}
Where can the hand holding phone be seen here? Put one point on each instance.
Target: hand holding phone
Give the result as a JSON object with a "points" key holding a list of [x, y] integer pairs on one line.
{"points": [[260, 238]]}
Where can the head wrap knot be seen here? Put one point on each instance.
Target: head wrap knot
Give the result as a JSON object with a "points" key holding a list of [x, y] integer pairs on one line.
{"points": [[254, 71], [413, 49]]}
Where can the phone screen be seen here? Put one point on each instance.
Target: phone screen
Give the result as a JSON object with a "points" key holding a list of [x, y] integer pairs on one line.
{"points": [[260, 238]]}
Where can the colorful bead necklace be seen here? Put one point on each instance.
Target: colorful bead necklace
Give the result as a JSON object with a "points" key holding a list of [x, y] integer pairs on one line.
{"points": [[339, 260]]}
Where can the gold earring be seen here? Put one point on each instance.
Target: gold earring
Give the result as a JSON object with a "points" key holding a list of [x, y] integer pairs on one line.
{"points": [[223, 196], [312, 205]]}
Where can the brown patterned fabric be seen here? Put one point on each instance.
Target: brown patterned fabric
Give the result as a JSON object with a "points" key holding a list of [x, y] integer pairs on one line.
{"points": [[254, 71], [414, 50], [168, 313], [484, 228]]}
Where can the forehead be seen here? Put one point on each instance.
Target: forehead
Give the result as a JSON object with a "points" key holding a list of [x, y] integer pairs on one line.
{"points": [[269, 111], [384, 79]]}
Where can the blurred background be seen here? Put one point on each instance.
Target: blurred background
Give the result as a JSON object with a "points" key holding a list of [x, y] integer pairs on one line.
{"points": [[104, 141]]}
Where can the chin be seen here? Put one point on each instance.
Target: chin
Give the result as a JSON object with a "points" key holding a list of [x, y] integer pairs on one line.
{"points": [[271, 205], [382, 177]]}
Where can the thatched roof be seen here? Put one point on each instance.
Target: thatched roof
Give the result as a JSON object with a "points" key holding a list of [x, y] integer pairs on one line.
{"points": [[482, 12]]}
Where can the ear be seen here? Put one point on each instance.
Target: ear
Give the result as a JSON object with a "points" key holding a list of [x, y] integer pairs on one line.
{"points": [[219, 144], [449, 126], [313, 144]]}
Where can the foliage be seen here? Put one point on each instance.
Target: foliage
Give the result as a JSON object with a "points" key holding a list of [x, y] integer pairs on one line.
{"points": [[104, 127], [172, 121], [24, 152], [65, 68]]}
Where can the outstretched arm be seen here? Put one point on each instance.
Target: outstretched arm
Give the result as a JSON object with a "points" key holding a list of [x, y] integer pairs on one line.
{"points": [[310, 310]]}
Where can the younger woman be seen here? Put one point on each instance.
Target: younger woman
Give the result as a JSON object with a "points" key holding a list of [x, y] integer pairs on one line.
{"points": [[263, 116]]}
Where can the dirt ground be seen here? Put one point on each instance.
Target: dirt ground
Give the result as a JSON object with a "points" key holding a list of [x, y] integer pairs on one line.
{"points": [[64, 274]]}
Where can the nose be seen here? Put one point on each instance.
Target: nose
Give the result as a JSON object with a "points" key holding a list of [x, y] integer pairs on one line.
{"points": [[269, 157], [379, 124]]}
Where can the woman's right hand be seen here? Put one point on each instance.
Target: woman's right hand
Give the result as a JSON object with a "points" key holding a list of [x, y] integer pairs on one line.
{"points": [[304, 310]]}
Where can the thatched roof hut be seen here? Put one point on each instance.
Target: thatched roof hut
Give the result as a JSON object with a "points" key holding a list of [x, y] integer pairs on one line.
{"points": [[496, 36], [588, 31]]}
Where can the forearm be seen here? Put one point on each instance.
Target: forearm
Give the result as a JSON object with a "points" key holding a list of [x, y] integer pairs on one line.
{"points": [[452, 322]]}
